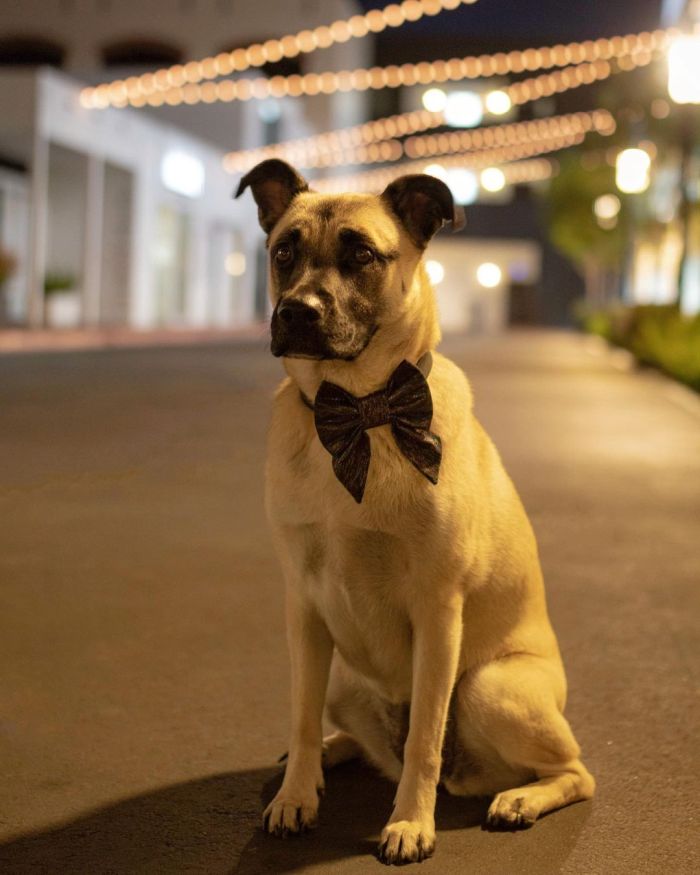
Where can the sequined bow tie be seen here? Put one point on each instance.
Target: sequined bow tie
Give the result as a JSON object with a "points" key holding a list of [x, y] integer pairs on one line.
{"points": [[342, 421]]}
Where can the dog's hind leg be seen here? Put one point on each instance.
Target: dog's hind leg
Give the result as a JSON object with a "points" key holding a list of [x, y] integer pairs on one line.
{"points": [[363, 721], [339, 747], [515, 705]]}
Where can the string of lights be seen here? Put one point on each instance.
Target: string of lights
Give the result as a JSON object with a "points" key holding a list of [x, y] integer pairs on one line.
{"points": [[308, 152], [496, 136], [374, 181], [514, 134], [393, 76], [300, 150], [273, 50]]}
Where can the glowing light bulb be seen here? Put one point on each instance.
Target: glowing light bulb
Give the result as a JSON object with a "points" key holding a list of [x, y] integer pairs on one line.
{"points": [[436, 170], [493, 179], [234, 264], [436, 272], [607, 206], [464, 185], [489, 275], [498, 102], [463, 109], [632, 171], [684, 69], [434, 99]]}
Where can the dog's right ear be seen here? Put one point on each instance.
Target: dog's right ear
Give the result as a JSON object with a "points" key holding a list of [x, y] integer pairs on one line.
{"points": [[274, 185]]}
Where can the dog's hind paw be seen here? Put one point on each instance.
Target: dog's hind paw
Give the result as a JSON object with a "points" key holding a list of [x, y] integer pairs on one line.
{"points": [[339, 748], [406, 841], [510, 811]]}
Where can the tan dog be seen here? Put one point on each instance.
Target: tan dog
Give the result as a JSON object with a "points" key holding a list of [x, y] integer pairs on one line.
{"points": [[419, 600]]}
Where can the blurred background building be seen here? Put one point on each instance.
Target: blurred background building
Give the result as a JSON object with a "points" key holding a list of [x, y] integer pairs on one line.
{"points": [[122, 215]]}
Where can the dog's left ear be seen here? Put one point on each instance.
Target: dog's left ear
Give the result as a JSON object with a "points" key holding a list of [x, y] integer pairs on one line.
{"points": [[274, 184], [423, 203]]}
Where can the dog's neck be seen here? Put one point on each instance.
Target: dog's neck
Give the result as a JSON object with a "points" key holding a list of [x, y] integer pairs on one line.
{"points": [[408, 337]]}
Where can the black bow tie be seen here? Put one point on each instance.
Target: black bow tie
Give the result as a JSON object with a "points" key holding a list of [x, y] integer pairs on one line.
{"points": [[342, 421]]}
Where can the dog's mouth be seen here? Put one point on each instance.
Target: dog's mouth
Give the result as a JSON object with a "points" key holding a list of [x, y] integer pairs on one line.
{"points": [[315, 344]]}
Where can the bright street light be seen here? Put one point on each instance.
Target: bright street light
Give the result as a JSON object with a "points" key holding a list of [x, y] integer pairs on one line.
{"points": [[684, 69], [463, 109], [464, 185], [436, 272], [436, 170], [632, 171], [489, 275]]}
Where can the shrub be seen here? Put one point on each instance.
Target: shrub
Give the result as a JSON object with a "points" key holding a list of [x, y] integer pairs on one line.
{"points": [[658, 336], [58, 282]]}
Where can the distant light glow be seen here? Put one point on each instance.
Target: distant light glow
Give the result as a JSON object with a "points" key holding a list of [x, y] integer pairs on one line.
{"points": [[269, 110], [684, 69], [660, 108], [234, 264], [493, 179], [498, 102], [464, 185], [519, 271], [607, 206], [489, 275], [436, 272], [463, 109], [436, 170], [434, 99], [183, 174], [632, 171]]}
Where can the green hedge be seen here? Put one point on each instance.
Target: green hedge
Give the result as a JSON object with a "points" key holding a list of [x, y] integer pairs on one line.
{"points": [[659, 336]]}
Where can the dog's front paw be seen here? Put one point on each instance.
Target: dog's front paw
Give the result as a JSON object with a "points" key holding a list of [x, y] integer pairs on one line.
{"points": [[406, 841], [290, 814]]}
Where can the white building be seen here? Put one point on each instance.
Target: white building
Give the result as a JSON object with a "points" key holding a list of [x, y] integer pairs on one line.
{"points": [[122, 216]]}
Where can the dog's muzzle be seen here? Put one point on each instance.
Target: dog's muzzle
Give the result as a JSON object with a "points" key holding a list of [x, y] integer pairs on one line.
{"points": [[298, 327]]}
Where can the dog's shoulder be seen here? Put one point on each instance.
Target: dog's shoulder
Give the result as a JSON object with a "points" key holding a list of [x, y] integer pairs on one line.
{"points": [[452, 395]]}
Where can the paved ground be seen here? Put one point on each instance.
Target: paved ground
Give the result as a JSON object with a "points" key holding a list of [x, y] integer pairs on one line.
{"points": [[143, 676]]}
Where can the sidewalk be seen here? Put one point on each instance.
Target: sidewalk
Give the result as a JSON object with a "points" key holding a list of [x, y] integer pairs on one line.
{"points": [[144, 696], [68, 340]]}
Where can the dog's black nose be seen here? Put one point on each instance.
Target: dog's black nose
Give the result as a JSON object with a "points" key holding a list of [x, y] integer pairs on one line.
{"points": [[298, 314]]}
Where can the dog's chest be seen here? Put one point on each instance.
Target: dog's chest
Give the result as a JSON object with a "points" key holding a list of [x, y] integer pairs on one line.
{"points": [[360, 585]]}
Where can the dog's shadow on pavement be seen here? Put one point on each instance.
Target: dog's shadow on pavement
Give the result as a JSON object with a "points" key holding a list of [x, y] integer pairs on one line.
{"points": [[212, 826], [354, 808]]}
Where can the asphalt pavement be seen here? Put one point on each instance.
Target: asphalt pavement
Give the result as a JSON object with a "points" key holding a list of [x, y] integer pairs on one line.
{"points": [[143, 668]]}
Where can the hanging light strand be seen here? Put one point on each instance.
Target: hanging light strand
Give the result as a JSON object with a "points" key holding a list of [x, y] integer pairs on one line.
{"points": [[122, 91], [430, 145], [515, 171], [309, 151], [393, 76], [309, 148]]}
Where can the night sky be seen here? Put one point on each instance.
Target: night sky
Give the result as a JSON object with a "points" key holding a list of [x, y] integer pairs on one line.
{"points": [[502, 24]]}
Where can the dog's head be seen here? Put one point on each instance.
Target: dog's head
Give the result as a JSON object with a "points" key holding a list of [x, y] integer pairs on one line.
{"points": [[341, 265]]}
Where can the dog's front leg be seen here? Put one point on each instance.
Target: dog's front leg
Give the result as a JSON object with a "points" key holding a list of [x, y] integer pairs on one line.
{"points": [[295, 807], [437, 631]]}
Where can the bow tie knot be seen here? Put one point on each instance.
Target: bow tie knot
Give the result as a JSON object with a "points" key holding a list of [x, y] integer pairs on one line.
{"points": [[342, 421], [374, 409]]}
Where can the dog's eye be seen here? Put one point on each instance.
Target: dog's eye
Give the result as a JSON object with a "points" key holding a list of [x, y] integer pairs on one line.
{"points": [[283, 254], [363, 255]]}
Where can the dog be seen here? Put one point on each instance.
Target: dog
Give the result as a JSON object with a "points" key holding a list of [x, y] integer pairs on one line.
{"points": [[414, 595]]}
